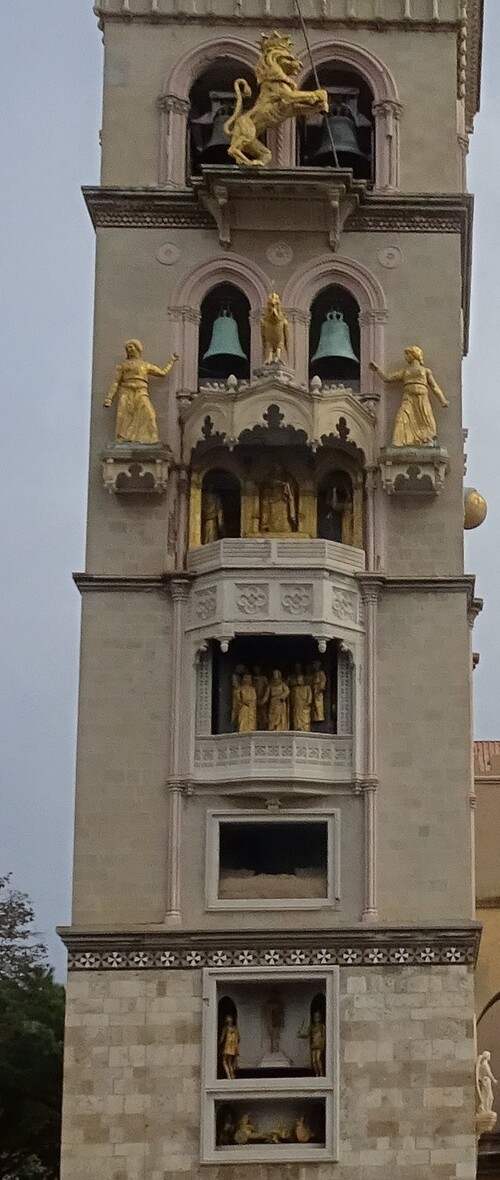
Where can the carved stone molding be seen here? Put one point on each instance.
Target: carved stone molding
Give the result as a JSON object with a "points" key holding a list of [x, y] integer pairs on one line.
{"points": [[136, 470], [292, 195], [358, 946], [414, 471]]}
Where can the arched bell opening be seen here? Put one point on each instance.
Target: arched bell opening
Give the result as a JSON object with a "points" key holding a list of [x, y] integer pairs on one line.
{"points": [[220, 506], [334, 337], [345, 137], [212, 101], [224, 339], [335, 508]]}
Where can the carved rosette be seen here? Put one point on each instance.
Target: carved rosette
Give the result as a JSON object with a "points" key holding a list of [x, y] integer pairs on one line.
{"points": [[418, 472]]}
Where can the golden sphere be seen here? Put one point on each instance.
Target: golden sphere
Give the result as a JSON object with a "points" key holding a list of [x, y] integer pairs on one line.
{"points": [[475, 508]]}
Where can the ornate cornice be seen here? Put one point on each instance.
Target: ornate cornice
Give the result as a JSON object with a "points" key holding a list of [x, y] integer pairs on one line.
{"points": [[145, 208], [360, 946], [384, 583], [118, 583]]}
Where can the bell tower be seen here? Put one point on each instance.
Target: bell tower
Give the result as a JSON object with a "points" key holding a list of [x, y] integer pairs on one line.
{"points": [[272, 944]]}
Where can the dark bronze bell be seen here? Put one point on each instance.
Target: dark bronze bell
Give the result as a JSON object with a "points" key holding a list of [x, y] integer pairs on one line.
{"points": [[339, 127], [214, 150]]}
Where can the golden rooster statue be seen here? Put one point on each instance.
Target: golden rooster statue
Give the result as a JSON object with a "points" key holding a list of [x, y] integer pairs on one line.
{"points": [[274, 330]]}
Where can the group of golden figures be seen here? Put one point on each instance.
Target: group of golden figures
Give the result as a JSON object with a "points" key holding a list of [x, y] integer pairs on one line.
{"points": [[275, 702], [315, 1033]]}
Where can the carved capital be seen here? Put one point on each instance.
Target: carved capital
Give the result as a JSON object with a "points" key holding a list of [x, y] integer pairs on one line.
{"points": [[378, 315], [370, 587], [170, 102], [388, 108], [179, 589], [474, 609]]}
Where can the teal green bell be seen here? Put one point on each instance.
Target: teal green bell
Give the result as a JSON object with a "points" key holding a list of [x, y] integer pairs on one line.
{"points": [[335, 339], [225, 338]]}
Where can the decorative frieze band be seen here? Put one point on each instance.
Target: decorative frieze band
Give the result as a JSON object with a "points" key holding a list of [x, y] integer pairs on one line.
{"points": [[144, 208], [358, 947]]}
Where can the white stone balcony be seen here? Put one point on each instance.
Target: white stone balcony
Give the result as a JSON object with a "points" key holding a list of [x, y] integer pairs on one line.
{"points": [[275, 587], [291, 757], [252, 552]]}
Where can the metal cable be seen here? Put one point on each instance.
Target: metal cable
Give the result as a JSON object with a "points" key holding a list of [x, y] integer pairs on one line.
{"points": [[316, 79]]}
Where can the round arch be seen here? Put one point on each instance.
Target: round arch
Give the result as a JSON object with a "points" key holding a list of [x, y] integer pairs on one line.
{"points": [[309, 280], [371, 68], [173, 102], [386, 107], [250, 279], [305, 284], [185, 72]]}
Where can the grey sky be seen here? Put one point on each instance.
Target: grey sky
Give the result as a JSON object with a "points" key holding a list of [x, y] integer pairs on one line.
{"points": [[50, 89]]}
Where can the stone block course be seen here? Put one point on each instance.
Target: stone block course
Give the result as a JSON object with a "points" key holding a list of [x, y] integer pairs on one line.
{"points": [[136, 1105]]}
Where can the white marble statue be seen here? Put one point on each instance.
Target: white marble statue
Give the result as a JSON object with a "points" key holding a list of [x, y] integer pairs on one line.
{"points": [[484, 1083]]}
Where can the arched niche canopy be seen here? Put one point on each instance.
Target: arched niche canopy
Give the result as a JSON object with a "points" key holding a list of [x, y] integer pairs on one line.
{"points": [[334, 336], [249, 289], [344, 61], [363, 289], [217, 59], [349, 126]]}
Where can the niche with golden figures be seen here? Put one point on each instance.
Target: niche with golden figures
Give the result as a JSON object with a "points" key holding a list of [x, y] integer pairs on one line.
{"points": [[270, 494]]}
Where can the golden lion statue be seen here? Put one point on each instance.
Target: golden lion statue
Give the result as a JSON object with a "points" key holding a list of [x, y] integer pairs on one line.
{"points": [[274, 329], [278, 99]]}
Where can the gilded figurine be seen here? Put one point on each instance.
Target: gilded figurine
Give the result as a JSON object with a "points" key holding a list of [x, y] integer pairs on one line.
{"points": [[236, 681], [278, 514], [301, 698], [415, 425], [485, 1082], [301, 1130], [315, 1033], [278, 699], [229, 1046], [278, 99], [246, 705], [317, 680], [245, 1130], [212, 518], [273, 330], [135, 415], [261, 685]]}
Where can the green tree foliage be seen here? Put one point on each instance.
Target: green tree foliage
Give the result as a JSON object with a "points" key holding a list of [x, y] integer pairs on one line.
{"points": [[31, 1047]]}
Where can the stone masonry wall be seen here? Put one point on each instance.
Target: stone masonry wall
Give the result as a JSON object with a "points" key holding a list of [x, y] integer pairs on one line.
{"points": [[132, 1078]]}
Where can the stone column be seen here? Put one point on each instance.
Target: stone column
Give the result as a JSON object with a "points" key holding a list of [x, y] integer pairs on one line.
{"points": [[172, 148], [179, 589], [387, 117], [474, 609], [370, 588]]}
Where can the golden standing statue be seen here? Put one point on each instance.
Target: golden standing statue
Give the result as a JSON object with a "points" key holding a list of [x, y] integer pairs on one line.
{"points": [[246, 705], [315, 1033], [135, 416], [278, 99], [415, 425], [212, 518], [278, 514], [229, 1046], [273, 329], [278, 694], [317, 680], [302, 697], [261, 685]]}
